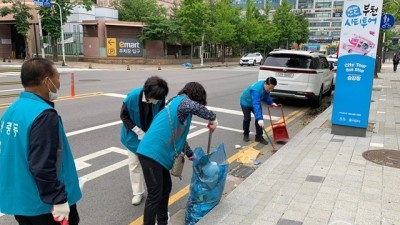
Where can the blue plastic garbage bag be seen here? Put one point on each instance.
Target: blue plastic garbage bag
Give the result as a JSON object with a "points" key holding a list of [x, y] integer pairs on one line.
{"points": [[207, 184], [187, 65]]}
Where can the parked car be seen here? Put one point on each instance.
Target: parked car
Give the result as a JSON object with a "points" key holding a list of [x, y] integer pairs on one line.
{"points": [[333, 66], [300, 75], [251, 59]]}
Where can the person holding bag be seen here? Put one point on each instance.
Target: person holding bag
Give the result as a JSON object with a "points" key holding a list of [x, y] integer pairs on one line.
{"points": [[164, 141], [139, 108]]}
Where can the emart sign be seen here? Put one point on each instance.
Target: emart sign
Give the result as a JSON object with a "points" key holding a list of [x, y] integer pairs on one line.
{"points": [[124, 47]]}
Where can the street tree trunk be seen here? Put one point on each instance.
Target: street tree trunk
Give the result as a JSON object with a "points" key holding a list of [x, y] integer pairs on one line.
{"points": [[54, 48], [191, 53], [27, 49]]}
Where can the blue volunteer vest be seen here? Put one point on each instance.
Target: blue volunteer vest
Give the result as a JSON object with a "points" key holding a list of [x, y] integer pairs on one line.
{"points": [[18, 191], [128, 138], [245, 99], [158, 143]]}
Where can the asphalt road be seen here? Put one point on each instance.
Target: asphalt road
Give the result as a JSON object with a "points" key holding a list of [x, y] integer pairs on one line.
{"points": [[91, 120]]}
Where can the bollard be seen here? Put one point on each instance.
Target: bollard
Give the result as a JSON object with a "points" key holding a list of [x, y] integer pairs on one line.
{"points": [[159, 66], [211, 66], [72, 85], [4, 59], [128, 68], [90, 66], [9, 59]]}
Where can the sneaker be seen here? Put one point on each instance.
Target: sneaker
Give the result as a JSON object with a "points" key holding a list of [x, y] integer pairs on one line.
{"points": [[261, 140], [137, 199], [246, 138]]}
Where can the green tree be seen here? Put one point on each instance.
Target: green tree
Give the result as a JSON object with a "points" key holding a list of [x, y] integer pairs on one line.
{"points": [[285, 21], [222, 29], [138, 10], [22, 16], [249, 28], [301, 31], [160, 28], [193, 17], [51, 19]]}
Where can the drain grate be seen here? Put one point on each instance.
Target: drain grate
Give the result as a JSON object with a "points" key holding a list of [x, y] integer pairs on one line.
{"points": [[383, 157], [243, 171]]}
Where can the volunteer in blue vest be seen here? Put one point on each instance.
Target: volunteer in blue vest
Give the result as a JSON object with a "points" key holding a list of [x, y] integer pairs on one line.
{"points": [[166, 136], [250, 101], [38, 179], [137, 113]]}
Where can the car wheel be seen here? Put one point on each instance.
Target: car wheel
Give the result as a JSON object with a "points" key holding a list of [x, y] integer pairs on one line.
{"points": [[254, 63], [317, 100], [241, 64], [350, 50]]}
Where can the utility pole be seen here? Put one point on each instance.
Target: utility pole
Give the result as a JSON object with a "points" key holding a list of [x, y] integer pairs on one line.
{"points": [[62, 33]]}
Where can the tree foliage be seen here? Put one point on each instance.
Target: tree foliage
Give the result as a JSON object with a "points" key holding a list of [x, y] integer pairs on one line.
{"points": [[301, 31], [285, 21], [138, 10], [22, 16], [192, 18], [51, 18]]}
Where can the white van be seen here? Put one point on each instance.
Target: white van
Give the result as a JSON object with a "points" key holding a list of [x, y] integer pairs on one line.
{"points": [[300, 75]]}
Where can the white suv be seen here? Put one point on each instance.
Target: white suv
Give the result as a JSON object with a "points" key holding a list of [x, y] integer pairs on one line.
{"points": [[300, 75], [251, 59]]}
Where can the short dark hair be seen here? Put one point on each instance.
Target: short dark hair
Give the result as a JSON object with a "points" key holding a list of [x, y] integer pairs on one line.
{"points": [[34, 70], [195, 91], [271, 80], [155, 87]]}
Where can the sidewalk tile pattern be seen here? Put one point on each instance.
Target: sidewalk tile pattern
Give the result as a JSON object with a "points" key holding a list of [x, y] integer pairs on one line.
{"points": [[319, 178]]}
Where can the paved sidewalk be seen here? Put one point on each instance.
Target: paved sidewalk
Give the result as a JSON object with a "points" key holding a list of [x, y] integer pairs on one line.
{"points": [[321, 178]]}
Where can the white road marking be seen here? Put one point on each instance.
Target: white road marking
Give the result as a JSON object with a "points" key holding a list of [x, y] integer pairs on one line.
{"points": [[10, 74], [215, 109], [93, 128], [9, 90]]}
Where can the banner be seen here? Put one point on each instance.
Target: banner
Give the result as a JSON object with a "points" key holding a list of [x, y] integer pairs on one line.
{"points": [[356, 63]]}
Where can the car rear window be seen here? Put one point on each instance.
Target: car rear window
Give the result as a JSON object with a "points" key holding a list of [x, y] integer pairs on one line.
{"points": [[288, 60]]}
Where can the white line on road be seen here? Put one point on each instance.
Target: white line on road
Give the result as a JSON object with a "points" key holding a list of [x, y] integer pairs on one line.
{"points": [[228, 111], [93, 128], [9, 90]]}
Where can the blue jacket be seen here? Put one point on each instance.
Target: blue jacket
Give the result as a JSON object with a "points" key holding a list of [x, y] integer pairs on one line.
{"points": [[128, 138], [252, 97], [158, 143], [18, 193]]}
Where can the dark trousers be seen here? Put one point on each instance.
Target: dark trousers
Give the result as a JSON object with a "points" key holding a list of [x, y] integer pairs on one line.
{"points": [[47, 219], [395, 66], [246, 122], [159, 184]]}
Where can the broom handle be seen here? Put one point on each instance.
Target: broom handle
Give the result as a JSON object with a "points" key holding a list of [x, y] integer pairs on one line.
{"points": [[209, 142]]}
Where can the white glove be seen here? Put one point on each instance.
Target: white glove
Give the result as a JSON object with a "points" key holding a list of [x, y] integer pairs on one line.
{"points": [[139, 132], [274, 104], [60, 212], [260, 123], [212, 125]]}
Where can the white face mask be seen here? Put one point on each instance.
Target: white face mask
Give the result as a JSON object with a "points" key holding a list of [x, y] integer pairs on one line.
{"points": [[53, 95], [153, 101]]}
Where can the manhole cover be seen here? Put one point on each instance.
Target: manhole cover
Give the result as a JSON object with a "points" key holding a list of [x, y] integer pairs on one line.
{"points": [[383, 157]]}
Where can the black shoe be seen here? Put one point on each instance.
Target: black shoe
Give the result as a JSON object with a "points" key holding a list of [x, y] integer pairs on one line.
{"points": [[261, 140], [246, 138]]}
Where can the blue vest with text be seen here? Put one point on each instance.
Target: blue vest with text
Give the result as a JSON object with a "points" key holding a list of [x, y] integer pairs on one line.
{"points": [[18, 191]]}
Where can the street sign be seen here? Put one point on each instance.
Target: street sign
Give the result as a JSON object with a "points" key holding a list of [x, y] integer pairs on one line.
{"points": [[44, 3], [387, 21]]}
